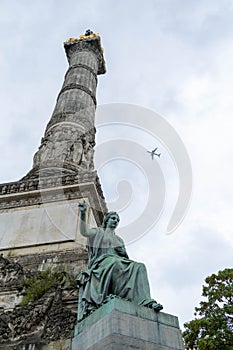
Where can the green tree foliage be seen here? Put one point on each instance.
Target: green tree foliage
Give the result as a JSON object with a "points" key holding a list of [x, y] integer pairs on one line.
{"points": [[212, 329]]}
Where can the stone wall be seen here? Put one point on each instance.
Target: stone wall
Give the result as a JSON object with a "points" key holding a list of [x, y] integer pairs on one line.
{"points": [[46, 323]]}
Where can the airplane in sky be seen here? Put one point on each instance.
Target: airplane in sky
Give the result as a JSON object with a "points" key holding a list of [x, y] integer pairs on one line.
{"points": [[153, 153]]}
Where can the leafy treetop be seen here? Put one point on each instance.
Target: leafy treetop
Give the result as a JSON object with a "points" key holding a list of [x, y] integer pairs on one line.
{"points": [[212, 328]]}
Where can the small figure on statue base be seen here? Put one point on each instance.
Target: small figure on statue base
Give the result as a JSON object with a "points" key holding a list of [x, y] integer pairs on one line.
{"points": [[110, 272]]}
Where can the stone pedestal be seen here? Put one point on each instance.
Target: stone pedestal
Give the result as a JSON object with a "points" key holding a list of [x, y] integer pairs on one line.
{"points": [[120, 325]]}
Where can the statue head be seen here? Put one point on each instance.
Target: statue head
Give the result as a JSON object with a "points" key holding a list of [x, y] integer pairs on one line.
{"points": [[107, 217]]}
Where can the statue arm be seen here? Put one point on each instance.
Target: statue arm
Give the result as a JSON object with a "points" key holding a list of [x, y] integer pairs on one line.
{"points": [[84, 228]]}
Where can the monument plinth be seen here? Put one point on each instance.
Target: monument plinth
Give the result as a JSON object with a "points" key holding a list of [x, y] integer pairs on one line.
{"points": [[120, 324]]}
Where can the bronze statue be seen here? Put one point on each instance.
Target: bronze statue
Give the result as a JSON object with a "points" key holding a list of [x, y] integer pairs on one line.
{"points": [[110, 272]]}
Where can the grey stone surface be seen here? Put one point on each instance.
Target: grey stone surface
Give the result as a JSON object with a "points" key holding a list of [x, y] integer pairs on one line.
{"points": [[52, 189], [43, 217], [120, 324], [70, 134], [39, 224]]}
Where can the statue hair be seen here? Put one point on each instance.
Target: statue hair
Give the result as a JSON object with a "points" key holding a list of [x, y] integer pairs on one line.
{"points": [[107, 217]]}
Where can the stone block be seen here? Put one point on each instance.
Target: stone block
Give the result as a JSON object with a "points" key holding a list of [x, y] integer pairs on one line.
{"points": [[120, 324]]}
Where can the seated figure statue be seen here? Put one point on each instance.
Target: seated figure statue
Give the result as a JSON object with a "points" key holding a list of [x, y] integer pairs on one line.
{"points": [[110, 272]]}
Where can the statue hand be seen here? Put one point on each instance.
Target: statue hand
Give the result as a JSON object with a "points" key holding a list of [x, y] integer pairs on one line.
{"points": [[82, 207]]}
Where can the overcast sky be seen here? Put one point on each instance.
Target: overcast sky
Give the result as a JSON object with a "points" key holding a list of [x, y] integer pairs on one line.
{"points": [[173, 57]]}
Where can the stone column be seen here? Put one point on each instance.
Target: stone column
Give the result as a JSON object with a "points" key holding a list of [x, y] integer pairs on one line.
{"points": [[70, 134]]}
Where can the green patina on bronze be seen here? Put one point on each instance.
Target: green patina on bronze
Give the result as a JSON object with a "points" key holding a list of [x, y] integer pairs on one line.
{"points": [[110, 271]]}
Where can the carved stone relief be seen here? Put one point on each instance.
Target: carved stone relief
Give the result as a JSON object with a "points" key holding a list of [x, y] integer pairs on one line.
{"points": [[67, 143]]}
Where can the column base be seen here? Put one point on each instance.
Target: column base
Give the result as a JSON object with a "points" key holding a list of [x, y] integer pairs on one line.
{"points": [[120, 324]]}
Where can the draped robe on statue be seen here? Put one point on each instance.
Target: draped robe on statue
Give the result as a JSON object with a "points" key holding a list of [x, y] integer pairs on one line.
{"points": [[111, 272]]}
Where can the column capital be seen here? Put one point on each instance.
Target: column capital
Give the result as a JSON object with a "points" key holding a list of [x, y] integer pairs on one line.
{"points": [[85, 42]]}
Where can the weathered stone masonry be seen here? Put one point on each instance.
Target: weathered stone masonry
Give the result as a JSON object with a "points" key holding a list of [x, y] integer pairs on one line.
{"points": [[34, 248]]}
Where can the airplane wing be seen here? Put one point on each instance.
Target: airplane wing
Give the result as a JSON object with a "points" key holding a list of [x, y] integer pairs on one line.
{"points": [[155, 149]]}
